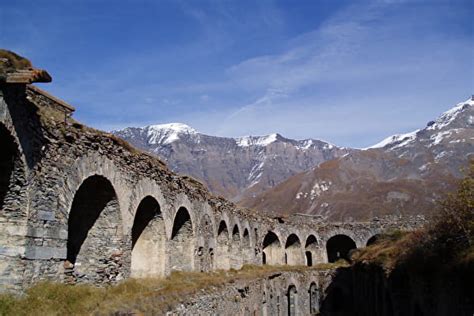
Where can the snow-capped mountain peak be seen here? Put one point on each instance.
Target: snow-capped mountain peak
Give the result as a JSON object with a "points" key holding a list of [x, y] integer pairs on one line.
{"points": [[449, 116], [401, 139], [449, 120], [167, 133]]}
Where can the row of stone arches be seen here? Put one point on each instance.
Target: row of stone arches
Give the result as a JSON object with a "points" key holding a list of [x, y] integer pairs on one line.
{"points": [[290, 301], [157, 242], [294, 252], [97, 245]]}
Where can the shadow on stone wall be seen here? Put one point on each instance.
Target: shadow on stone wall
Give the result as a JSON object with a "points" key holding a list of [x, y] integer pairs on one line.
{"points": [[367, 290]]}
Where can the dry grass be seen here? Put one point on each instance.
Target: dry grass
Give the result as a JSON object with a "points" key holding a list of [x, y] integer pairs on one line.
{"points": [[446, 244], [133, 296], [13, 61]]}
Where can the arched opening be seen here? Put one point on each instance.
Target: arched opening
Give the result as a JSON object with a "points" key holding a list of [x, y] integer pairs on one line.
{"points": [[338, 247], [313, 299], [264, 258], [247, 250], [9, 162], [293, 251], [309, 258], [272, 249], [181, 254], [372, 240], [94, 231], [236, 250], [148, 240], [311, 247], [222, 259], [292, 300]]}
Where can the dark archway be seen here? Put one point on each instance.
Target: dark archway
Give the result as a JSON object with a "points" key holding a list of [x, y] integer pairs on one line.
{"points": [[293, 251], [338, 247], [246, 249], [309, 258], [313, 299], [9, 157], [181, 254], [272, 249], [148, 240], [222, 260], [236, 250], [372, 240], [311, 247], [94, 230], [292, 297]]}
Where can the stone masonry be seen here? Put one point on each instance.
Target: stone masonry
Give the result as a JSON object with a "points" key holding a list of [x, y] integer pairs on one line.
{"points": [[79, 205]]}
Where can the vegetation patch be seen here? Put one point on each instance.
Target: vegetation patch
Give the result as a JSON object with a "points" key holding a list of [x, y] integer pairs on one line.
{"points": [[447, 243], [133, 296], [9, 61]]}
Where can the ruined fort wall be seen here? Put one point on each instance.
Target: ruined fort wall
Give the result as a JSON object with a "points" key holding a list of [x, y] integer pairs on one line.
{"points": [[74, 196], [286, 293]]}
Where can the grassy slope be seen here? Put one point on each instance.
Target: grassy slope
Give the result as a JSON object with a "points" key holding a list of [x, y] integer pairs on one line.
{"points": [[150, 296]]}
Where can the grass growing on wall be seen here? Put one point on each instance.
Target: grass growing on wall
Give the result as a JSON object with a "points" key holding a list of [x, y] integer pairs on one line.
{"points": [[133, 296]]}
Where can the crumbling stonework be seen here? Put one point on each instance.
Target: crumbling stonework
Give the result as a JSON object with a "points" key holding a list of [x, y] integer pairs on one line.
{"points": [[286, 293], [80, 205]]}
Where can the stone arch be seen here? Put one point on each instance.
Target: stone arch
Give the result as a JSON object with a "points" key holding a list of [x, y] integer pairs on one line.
{"points": [[94, 231], [181, 243], [338, 247], [96, 165], [293, 252], [246, 238], [12, 169], [372, 240], [311, 247], [148, 240], [272, 251], [292, 300], [222, 248], [313, 299], [246, 247], [236, 249], [236, 234]]}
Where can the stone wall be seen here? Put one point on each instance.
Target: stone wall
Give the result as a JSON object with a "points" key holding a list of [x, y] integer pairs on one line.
{"points": [[369, 290], [80, 205], [286, 293]]}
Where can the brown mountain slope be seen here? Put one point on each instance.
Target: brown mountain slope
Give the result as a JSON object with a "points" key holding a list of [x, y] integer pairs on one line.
{"points": [[404, 174]]}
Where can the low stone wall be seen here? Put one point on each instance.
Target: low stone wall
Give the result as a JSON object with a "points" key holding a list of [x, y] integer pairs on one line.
{"points": [[285, 293]]}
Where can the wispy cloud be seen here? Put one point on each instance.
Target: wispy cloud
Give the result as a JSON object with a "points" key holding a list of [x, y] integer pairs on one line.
{"points": [[367, 57], [351, 74]]}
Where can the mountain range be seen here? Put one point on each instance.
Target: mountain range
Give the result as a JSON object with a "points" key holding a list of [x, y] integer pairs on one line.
{"points": [[235, 168], [403, 174]]}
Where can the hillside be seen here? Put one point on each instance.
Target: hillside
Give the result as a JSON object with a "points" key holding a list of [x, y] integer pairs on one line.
{"points": [[403, 174], [235, 168]]}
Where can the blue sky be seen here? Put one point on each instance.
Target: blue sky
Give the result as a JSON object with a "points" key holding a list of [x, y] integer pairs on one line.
{"points": [[350, 72]]}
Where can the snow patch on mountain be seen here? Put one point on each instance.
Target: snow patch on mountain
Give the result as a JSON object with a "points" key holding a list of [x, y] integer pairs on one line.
{"points": [[443, 121], [447, 117], [263, 141], [401, 139], [167, 133]]}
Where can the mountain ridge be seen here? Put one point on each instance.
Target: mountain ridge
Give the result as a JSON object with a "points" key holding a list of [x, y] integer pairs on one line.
{"points": [[402, 174], [232, 167]]}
